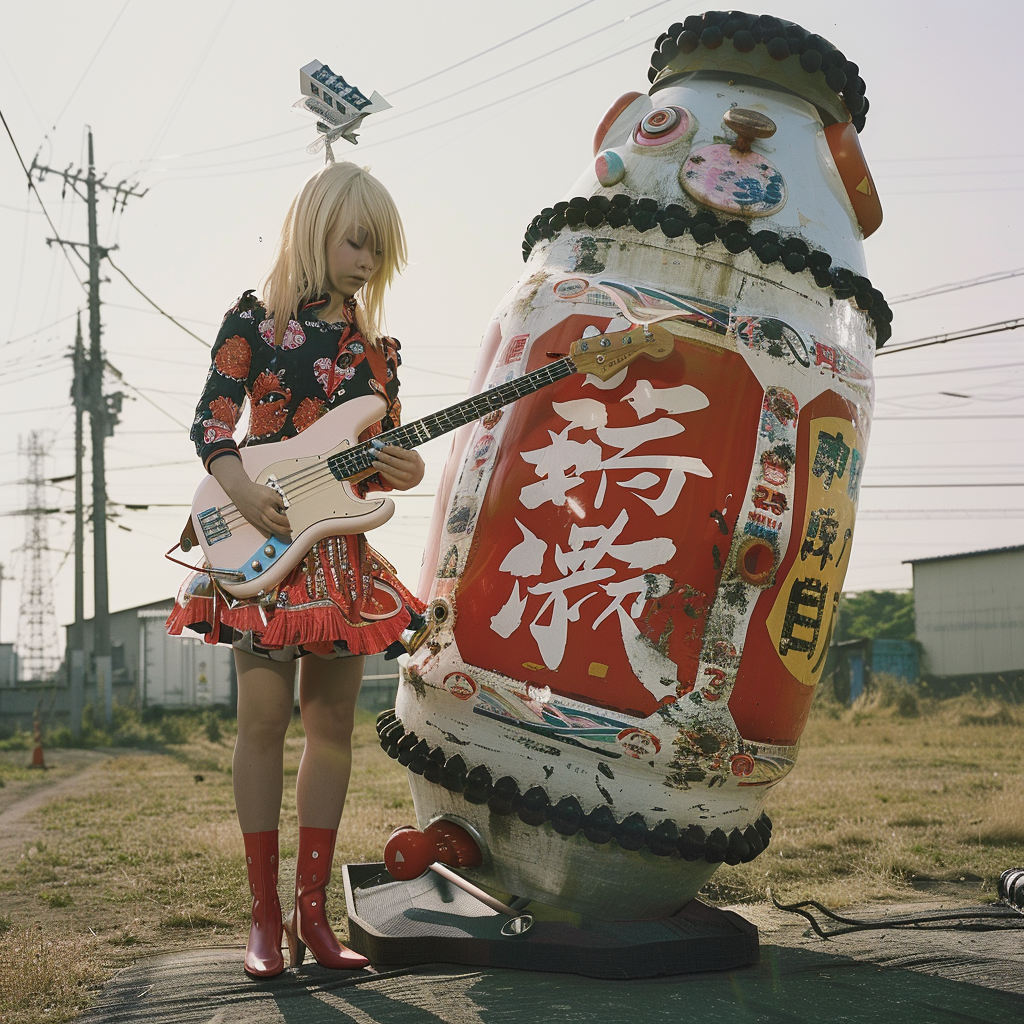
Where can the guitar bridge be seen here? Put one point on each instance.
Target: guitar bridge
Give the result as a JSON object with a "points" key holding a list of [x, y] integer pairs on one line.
{"points": [[212, 523]]}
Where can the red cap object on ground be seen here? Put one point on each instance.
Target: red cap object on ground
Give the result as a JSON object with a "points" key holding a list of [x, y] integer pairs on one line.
{"points": [[409, 852]]}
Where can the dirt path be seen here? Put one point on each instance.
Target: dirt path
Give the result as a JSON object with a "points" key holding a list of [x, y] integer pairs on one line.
{"points": [[69, 772]]}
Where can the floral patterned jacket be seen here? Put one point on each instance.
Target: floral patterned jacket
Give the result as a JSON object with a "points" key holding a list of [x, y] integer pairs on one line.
{"points": [[317, 367]]}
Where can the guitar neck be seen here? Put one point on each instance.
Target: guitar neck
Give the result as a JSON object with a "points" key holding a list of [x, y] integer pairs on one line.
{"points": [[357, 459]]}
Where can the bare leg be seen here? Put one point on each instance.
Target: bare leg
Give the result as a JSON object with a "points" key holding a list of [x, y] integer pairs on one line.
{"points": [[327, 698], [265, 701]]}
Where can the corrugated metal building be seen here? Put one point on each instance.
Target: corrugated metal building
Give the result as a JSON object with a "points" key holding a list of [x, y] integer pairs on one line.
{"points": [[151, 668], [8, 665], [853, 664], [969, 611], [186, 672]]}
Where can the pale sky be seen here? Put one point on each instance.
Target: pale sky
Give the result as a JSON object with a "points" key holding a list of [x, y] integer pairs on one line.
{"points": [[194, 102]]}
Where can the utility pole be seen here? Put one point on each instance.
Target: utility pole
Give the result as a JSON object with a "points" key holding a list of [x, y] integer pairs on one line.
{"points": [[98, 431], [102, 417], [76, 655], [78, 397]]}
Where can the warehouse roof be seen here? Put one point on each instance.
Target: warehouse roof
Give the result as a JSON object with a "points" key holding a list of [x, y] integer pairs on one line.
{"points": [[964, 554]]}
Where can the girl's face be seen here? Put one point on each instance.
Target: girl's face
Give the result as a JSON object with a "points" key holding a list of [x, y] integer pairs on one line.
{"points": [[352, 259]]}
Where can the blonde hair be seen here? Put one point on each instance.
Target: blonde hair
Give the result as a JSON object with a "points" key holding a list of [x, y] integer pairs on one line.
{"points": [[345, 196]]}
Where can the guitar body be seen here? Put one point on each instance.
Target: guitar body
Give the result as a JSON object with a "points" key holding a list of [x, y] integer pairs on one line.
{"points": [[318, 505]]}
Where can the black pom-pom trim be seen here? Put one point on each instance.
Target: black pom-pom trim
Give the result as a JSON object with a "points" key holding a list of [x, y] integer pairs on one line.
{"points": [[744, 41], [567, 817], [782, 40], [711, 37], [674, 221], [599, 825]]}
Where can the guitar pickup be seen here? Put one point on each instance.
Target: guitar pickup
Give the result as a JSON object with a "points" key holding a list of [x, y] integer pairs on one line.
{"points": [[212, 523]]}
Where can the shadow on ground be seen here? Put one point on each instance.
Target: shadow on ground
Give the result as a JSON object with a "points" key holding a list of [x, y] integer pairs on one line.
{"points": [[919, 976]]}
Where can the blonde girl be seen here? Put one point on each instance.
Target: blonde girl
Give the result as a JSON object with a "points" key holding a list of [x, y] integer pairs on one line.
{"points": [[311, 343]]}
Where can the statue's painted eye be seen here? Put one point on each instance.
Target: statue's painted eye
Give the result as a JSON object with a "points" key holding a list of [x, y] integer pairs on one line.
{"points": [[665, 124], [659, 121]]}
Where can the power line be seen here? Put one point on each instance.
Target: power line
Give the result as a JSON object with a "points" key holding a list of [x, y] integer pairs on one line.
{"points": [[32, 186], [391, 92], [955, 191], [183, 172], [90, 64], [35, 114], [942, 485], [930, 159], [150, 312], [950, 419], [940, 513], [22, 412], [970, 332], [162, 312], [956, 369], [18, 209], [230, 145], [490, 49], [525, 63], [916, 175], [171, 114], [436, 124], [521, 92], [973, 282], [433, 103], [117, 373]]}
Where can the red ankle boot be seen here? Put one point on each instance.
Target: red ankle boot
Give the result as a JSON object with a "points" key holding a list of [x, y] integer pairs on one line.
{"points": [[308, 924], [263, 957]]}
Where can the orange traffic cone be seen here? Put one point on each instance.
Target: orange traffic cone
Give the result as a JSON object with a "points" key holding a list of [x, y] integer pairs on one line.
{"points": [[37, 736]]}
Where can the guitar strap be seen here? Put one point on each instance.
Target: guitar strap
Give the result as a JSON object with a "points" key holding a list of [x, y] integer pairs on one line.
{"points": [[377, 358]]}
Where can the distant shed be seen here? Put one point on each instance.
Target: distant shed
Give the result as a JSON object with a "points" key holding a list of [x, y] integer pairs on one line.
{"points": [[969, 611]]}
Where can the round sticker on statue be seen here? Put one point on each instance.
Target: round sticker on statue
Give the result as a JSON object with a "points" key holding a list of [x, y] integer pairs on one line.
{"points": [[638, 743], [458, 684], [571, 288], [728, 179]]}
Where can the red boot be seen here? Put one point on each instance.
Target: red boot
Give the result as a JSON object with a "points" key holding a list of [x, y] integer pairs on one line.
{"points": [[263, 957], [308, 924]]}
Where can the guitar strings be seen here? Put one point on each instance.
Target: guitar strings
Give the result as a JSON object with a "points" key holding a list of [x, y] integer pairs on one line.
{"points": [[304, 482], [314, 475]]}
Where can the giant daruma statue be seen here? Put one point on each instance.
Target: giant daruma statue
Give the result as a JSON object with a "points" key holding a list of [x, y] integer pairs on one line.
{"points": [[634, 582]]}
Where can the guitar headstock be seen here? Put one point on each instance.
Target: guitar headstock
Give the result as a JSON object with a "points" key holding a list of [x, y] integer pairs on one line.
{"points": [[604, 355]]}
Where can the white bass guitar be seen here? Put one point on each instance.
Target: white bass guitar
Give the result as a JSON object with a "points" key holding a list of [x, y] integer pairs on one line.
{"points": [[314, 471]]}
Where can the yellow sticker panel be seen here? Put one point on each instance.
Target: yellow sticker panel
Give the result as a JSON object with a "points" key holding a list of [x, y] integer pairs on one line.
{"points": [[803, 616]]}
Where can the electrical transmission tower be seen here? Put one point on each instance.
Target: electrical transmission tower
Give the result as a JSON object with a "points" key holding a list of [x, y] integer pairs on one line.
{"points": [[38, 641]]}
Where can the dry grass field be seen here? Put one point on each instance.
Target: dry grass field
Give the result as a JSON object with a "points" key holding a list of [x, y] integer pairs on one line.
{"points": [[889, 796]]}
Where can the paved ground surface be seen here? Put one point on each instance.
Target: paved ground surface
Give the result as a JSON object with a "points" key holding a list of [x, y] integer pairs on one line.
{"points": [[902, 976]]}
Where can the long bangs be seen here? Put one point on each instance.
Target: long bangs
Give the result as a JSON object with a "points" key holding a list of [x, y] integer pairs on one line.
{"points": [[346, 196]]}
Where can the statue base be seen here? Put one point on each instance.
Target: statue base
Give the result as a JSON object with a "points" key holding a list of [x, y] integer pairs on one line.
{"points": [[429, 920]]}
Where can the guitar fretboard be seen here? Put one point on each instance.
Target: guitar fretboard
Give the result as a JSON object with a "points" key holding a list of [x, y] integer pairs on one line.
{"points": [[358, 458]]}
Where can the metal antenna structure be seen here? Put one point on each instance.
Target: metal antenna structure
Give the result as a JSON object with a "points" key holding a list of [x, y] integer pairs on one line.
{"points": [[38, 640]]}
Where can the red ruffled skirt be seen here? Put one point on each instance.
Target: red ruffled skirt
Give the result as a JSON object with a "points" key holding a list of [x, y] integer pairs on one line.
{"points": [[342, 599]]}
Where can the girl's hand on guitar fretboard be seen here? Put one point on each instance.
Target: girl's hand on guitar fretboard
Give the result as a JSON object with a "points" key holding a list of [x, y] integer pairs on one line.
{"points": [[399, 467]]}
